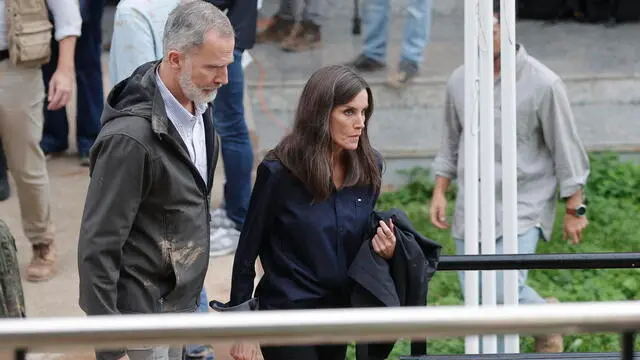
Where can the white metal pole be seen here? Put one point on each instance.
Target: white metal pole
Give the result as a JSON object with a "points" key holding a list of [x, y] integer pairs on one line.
{"points": [[471, 186], [509, 155], [280, 327], [487, 162]]}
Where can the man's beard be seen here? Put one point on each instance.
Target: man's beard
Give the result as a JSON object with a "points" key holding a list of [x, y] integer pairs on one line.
{"points": [[192, 92]]}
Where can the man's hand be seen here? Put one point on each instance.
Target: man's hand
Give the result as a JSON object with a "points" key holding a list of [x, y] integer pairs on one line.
{"points": [[60, 88], [438, 211], [573, 227], [61, 83], [125, 357]]}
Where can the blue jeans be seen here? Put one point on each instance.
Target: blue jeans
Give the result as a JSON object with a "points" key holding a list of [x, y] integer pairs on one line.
{"points": [[237, 154], [375, 16], [527, 244], [55, 132], [203, 308]]}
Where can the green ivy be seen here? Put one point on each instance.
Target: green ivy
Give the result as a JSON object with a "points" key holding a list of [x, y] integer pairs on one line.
{"points": [[614, 226]]}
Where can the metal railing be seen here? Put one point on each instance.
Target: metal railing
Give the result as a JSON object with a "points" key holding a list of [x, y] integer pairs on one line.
{"points": [[337, 325], [369, 324], [540, 261], [576, 261], [317, 326]]}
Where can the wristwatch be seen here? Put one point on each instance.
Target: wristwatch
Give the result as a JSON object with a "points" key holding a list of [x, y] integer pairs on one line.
{"points": [[580, 210]]}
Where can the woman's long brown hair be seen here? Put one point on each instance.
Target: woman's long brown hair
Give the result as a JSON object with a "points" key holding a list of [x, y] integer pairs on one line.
{"points": [[306, 150]]}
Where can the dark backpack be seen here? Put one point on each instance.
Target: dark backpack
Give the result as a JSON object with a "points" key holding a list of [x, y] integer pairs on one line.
{"points": [[11, 294]]}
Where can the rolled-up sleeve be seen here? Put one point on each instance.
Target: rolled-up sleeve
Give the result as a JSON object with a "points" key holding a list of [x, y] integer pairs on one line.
{"points": [[66, 18], [561, 137], [445, 163]]}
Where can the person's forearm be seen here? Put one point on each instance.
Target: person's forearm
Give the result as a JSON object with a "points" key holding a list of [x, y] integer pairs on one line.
{"points": [[441, 186], [66, 54]]}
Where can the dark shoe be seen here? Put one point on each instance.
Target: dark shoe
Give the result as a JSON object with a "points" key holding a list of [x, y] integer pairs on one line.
{"points": [[5, 188], [304, 36], [84, 161], [366, 64], [276, 32], [42, 265], [407, 70]]}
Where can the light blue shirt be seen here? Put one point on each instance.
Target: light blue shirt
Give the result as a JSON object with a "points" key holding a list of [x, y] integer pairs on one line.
{"points": [[190, 127], [138, 31]]}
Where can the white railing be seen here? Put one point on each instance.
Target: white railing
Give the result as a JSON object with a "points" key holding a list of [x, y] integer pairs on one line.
{"points": [[317, 326]]}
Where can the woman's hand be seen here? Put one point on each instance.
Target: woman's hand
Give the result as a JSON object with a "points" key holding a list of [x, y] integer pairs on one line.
{"points": [[384, 241], [246, 351]]}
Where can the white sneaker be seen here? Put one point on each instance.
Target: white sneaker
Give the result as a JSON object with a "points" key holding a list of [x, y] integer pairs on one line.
{"points": [[219, 219], [223, 241]]}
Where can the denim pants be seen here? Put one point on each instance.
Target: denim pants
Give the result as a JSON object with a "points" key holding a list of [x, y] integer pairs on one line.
{"points": [[237, 153], [90, 93], [527, 244], [203, 308], [375, 17]]}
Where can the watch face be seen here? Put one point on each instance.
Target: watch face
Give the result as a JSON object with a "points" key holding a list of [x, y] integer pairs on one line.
{"points": [[581, 210]]}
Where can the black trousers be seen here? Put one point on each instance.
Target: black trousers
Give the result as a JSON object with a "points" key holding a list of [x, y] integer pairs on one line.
{"points": [[306, 352], [310, 352]]}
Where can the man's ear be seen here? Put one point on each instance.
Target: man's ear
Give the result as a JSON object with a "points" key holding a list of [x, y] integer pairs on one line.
{"points": [[174, 59]]}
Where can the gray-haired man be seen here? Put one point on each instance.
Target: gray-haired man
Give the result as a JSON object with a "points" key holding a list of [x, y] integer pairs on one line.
{"points": [[144, 238]]}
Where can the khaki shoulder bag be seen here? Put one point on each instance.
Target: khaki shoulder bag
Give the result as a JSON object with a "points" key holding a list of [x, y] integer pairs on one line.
{"points": [[28, 32]]}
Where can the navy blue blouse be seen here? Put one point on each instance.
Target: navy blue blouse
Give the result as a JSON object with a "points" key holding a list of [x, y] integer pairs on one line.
{"points": [[305, 248]]}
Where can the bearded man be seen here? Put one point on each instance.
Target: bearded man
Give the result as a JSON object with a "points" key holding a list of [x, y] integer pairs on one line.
{"points": [[144, 238]]}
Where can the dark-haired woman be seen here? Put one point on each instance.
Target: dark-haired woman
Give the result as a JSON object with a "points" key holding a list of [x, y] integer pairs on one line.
{"points": [[310, 207]]}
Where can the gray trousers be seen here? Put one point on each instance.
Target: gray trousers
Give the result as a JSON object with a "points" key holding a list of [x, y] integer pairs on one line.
{"points": [[155, 353], [311, 10]]}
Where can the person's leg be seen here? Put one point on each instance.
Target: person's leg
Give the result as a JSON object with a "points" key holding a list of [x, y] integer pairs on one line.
{"points": [[89, 80], [527, 244], [375, 23], [199, 351], [414, 40], [281, 24], [21, 96], [290, 353], [331, 351], [5, 189], [237, 156], [150, 353], [306, 35], [55, 132], [313, 11]]}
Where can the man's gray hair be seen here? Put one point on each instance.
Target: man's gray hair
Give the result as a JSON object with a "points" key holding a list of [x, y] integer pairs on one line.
{"points": [[188, 23]]}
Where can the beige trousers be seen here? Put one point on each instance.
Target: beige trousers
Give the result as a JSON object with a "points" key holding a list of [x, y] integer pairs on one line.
{"points": [[21, 118]]}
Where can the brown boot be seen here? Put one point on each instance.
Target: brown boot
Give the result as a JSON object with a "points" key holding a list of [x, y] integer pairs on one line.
{"points": [[304, 36], [42, 265], [552, 343], [275, 32]]}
